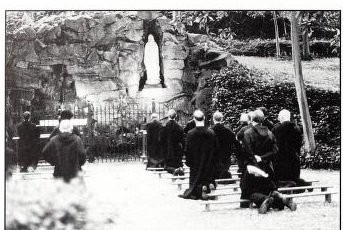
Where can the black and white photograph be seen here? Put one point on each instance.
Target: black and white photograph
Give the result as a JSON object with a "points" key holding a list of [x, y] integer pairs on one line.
{"points": [[171, 118]]}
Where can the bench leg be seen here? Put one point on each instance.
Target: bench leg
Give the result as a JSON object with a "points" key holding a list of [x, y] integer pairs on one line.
{"points": [[160, 175], [328, 198], [179, 186], [207, 207]]}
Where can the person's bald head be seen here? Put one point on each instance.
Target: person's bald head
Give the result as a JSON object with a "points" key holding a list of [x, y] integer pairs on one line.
{"points": [[199, 118], [244, 119], [218, 117], [26, 115], [257, 116], [172, 114], [284, 115], [66, 126]]}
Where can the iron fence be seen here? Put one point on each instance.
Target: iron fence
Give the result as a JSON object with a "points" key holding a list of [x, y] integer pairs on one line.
{"points": [[111, 131]]}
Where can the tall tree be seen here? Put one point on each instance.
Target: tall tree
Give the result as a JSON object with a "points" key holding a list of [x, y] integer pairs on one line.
{"points": [[277, 42], [299, 84]]}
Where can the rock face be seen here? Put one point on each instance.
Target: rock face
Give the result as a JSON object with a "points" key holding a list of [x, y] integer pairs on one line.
{"points": [[99, 56]]}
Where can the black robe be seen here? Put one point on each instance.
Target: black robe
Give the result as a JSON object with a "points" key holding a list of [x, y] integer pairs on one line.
{"points": [[266, 122], [28, 144], [200, 155], [155, 154], [189, 126], [172, 137], [258, 140], [289, 140], [226, 141], [240, 152], [66, 152]]}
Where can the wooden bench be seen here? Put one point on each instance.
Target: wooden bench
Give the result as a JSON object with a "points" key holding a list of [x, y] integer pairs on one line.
{"points": [[288, 189], [209, 203], [218, 181], [154, 169], [323, 191], [160, 173], [187, 177], [327, 195]]}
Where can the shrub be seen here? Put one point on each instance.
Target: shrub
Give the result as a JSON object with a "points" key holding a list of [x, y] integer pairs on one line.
{"points": [[236, 89]]}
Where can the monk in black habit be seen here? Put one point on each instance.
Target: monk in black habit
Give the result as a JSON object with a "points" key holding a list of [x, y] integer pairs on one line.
{"points": [[172, 137], [155, 154], [260, 148], [289, 140], [245, 123], [28, 143], [200, 154], [226, 142]]}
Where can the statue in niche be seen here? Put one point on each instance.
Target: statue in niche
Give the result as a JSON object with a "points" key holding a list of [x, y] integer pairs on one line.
{"points": [[152, 63]]}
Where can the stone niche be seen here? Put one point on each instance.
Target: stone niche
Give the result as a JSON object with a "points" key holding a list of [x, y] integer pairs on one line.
{"points": [[99, 55]]}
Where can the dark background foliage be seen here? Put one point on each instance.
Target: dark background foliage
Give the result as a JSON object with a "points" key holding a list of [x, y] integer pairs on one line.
{"points": [[237, 89]]}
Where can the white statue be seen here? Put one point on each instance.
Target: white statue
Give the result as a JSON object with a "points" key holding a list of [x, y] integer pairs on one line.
{"points": [[151, 62]]}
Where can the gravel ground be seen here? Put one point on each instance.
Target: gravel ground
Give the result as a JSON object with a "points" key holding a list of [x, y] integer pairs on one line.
{"points": [[128, 197]]}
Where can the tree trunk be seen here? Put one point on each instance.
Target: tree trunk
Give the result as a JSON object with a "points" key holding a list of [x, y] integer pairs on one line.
{"points": [[277, 42], [285, 28], [306, 45], [300, 87], [176, 16]]}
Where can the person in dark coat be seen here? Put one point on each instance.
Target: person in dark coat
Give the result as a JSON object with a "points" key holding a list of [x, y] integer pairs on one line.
{"points": [[65, 115], [289, 140], [155, 154], [266, 122], [189, 126], [66, 152], [201, 147], [226, 142], [28, 143], [173, 139], [245, 123], [260, 148]]}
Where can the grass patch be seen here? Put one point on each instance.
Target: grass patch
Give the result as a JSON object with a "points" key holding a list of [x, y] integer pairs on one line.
{"points": [[319, 73]]}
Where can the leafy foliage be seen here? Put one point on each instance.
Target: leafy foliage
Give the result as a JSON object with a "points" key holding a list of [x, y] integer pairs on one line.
{"points": [[52, 205], [32, 206], [236, 89]]}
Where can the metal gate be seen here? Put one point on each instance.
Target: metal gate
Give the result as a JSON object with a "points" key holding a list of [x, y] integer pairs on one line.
{"points": [[111, 131]]}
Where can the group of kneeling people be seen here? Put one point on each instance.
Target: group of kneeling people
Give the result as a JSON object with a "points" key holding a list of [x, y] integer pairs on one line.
{"points": [[268, 155]]}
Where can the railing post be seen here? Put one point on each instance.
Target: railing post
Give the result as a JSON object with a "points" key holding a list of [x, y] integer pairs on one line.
{"points": [[144, 152]]}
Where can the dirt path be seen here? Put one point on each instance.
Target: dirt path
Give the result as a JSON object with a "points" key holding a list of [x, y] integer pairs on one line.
{"points": [[131, 198]]}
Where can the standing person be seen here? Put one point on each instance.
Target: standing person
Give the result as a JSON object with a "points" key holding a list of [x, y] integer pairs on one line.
{"points": [[266, 122], [65, 151], [201, 147], [173, 139], [28, 143], [289, 140], [261, 148], [65, 115], [226, 142], [155, 154]]}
